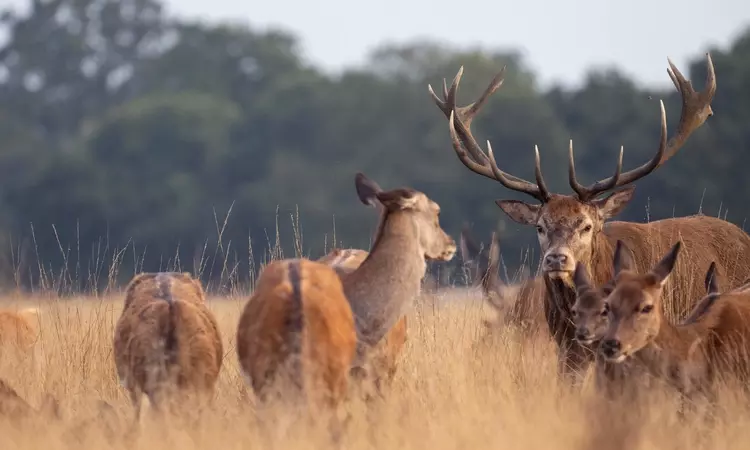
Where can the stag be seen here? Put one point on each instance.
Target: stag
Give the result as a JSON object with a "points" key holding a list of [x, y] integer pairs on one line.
{"points": [[712, 343], [572, 228]]}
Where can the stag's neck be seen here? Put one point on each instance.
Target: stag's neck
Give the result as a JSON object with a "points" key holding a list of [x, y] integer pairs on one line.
{"points": [[382, 289], [600, 262]]}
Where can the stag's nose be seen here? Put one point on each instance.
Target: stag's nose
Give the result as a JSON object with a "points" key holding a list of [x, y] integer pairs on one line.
{"points": [[610, 347], [555, 261]]}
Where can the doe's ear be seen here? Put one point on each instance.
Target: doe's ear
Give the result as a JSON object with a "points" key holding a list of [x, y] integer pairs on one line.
{"points": [[623, 258], [519, 211], [398, 198], [712, 285], [367, 189], [664, 268], [613, 204], [581, 277]]}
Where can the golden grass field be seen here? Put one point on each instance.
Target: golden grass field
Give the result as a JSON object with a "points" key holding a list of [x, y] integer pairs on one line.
{"points": [[450, 393]]}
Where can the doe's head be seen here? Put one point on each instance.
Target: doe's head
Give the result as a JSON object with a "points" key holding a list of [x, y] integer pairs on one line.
{"points": [[634, 307], [424, 213]]}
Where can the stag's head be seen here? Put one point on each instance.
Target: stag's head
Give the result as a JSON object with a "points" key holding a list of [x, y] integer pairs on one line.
{"points": [[423, 214], [634, 306], [568, 226]]}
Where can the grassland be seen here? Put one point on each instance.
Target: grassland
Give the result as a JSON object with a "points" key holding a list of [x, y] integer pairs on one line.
{"points": [[457, 388]]}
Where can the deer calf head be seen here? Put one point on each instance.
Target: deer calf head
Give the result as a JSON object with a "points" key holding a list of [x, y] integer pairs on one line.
{"points": [[634, 307], [423, 212]]}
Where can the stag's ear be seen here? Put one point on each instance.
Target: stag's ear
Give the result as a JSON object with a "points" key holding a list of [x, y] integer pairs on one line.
{"points": [[581, 277], [623, 259], [613, 204], [663, 268], [519, 211], [367, 190], [399, 199], [712, 285]]}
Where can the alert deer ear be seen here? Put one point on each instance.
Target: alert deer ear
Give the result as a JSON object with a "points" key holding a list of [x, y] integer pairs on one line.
{"points": [[623, 259], [613, 204], [367, 189], [519, 211], [399, 199], [663, 268], [581, 277], [712, 285]]}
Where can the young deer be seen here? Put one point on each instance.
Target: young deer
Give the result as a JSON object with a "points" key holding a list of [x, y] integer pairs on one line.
{"points": [[385, 285], [711, 343], [572, 229], [519, 303], [386, 355]]}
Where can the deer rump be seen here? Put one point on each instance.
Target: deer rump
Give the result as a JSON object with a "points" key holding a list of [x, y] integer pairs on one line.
{"points": [[162, 344], [297, 332]]}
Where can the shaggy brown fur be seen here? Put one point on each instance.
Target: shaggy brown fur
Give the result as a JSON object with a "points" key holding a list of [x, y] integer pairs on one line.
{"points": [[296, 334], [715, 342], [19, 329], [167, 340], [386, 353]]}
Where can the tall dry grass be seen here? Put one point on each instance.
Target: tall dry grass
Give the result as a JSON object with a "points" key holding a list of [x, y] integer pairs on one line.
{"points": [[456, 388]]}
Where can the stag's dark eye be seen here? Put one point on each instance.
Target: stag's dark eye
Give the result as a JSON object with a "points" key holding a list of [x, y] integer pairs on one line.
{"points": [[539, 229], [586, 229], [647, 309], [574, 313]]}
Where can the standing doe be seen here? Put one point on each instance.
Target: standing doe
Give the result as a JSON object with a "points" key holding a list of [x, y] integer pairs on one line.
{"points": [[572, 229]]}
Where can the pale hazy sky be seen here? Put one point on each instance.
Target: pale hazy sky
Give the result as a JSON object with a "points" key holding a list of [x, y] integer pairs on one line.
{"points": [[559, 39]]}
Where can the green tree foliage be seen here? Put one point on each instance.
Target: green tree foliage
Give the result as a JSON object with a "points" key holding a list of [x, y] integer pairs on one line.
{"points": [[130, 137]]}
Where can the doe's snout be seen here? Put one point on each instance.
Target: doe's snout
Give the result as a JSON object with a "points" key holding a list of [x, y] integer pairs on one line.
{"points": [[611, 347]]}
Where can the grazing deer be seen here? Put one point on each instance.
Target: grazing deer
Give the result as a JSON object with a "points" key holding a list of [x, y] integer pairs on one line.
{"points": [[166, 338], [519, 303], [572, 228], [387, 282], [386, 354], [295, 337], [713, 342]]}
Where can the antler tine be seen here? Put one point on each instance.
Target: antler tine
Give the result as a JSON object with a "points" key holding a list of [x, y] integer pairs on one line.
{"points": [[620, 179], [538, 174], [696, 108], [517, 184], [584, 192]]}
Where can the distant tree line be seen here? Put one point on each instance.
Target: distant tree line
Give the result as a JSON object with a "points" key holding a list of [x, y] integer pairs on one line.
{"points": [[128, 137]]}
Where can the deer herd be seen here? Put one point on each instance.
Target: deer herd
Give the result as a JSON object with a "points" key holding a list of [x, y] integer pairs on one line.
{"points": [[613, 294]]}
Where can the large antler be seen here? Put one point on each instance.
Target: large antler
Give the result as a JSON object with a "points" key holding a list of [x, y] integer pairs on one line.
{"points": [[466, 147], [696, 108]]}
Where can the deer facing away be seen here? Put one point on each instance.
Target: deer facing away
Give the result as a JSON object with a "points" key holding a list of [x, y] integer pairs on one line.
{"points": [[574, 228]]}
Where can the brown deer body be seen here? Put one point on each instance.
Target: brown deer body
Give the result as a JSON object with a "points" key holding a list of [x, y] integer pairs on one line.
{"points": [[572, 228], [712, 343], [295, 337], [519, 303], [166, 340], [386, 354], [386, 283]]}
